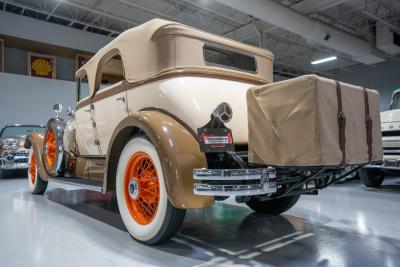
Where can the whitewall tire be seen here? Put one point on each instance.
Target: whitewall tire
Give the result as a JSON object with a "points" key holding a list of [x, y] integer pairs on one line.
{"points": [[141, 194], [36, 184]]}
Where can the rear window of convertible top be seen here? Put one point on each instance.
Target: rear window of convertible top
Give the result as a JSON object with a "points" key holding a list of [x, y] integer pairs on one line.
{"points": [[222, 57]]}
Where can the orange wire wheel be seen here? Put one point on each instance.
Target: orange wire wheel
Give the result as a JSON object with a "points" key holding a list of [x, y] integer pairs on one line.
{"points": [[51, 147], [32, 169], [141, 188]]}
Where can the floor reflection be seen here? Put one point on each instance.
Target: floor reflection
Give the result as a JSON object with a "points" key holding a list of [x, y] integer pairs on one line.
{"points": [[232, 235]]}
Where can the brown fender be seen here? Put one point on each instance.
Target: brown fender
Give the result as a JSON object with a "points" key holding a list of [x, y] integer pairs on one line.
{"points": [[177, 148], [35, 141]]}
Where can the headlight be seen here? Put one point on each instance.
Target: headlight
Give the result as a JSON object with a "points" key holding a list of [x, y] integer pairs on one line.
{"points": [[8, 143], [223, 112]]}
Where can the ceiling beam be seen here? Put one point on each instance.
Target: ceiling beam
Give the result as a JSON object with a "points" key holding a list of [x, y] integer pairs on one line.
{"points": [[72, 21], [313, 6], [312, 30], [213, 11], [53, 10]]}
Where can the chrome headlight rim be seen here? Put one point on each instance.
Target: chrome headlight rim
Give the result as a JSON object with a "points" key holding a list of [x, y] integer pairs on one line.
{"points": [[223, 112]]}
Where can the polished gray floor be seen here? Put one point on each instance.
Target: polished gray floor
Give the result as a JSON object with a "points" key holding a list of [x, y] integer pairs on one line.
{"points": [[346, 225]]}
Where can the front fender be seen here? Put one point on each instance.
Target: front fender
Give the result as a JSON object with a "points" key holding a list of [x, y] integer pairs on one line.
{"points": [[177, 148], [35, 143]]}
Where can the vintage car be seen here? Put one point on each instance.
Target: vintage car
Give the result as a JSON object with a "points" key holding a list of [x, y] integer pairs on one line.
{"points": [[172, 118], [374, 174], [13, 154]]}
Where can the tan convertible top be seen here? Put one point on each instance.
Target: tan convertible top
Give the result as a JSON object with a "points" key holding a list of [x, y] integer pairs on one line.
{"points": [[160, 45]]}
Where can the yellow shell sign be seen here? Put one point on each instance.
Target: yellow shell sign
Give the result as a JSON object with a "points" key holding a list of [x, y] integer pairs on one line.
{"points": [[41, 66]]}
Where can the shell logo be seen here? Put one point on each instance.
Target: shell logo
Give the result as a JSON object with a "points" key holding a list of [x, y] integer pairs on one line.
{"points": [[42, 67]]}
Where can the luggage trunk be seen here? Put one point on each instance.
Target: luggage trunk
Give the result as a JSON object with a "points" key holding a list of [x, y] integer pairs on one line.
{"points": [[296, 123]]}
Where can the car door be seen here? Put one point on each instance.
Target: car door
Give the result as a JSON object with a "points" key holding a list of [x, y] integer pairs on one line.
{"points": [[85, 132], [110, 108], [109, 101]]}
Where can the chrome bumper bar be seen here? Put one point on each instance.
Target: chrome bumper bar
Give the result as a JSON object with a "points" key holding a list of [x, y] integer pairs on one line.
{"points": [[234, 182]]}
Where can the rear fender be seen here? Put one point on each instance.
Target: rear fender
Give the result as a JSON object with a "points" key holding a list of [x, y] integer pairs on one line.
{"points": [[177, 148]]}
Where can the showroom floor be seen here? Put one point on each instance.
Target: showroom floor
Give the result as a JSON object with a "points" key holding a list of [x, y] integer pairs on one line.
{"points": [[346, 225]]}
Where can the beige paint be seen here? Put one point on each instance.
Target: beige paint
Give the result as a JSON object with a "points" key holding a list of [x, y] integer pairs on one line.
{"points": [[178, 150], [107, 114], [85, 135], [160, 45], [36, 140]]}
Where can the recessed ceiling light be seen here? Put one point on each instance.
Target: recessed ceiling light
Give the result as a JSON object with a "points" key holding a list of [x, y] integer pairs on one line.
{"points": [[323, 60]]}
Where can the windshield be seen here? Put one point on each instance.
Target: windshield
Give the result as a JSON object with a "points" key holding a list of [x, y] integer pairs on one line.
{"points": [[11, 131], [395, 102]]}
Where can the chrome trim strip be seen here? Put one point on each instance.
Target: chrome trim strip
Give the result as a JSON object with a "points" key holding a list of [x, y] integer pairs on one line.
{"points": [[261, 188], [234, 174], [259, 181]]}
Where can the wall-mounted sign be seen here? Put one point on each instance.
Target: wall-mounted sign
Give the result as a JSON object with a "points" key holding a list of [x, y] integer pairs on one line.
{"points": [[81, 60], [40, 65], [1, 55]]}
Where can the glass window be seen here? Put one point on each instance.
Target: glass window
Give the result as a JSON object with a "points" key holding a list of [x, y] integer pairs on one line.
{"points": [[83, 88], [223, 57], [395, 102], [112, 72], [11, 131]]}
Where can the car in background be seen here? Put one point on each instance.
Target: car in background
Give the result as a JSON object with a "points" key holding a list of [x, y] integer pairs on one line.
{"points": [[13, 154], [374, 174]]}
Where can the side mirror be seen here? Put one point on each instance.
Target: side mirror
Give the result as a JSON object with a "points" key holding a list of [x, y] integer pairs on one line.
{"points": [[70, 112], [57, 109]]}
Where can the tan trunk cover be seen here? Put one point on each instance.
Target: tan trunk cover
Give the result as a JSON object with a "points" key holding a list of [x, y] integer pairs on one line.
{"points": [[295, 123]]}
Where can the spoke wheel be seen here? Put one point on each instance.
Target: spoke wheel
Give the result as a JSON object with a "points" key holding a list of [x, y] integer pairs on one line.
{"points": [[32, 169], [142, 188], [143, 202], [51, 147]]}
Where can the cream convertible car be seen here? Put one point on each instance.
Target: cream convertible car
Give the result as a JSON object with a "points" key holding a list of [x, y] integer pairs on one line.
{"points": [[172, 118]]}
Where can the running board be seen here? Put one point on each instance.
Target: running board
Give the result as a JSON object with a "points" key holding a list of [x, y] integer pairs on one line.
{"points": [[79, 182]]}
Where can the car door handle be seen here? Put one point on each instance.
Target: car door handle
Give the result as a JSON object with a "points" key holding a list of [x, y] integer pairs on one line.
{"points": [[87, 110], [121, 98]]}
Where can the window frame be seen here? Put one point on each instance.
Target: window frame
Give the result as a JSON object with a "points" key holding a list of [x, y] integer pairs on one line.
{"points": [[230, 49], [109, 55], [395, 101], [78, 86]]}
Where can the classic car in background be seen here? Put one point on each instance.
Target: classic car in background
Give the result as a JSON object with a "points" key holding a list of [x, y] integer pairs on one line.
{"points": [[13, 154], [374, 174], [168, 130]]}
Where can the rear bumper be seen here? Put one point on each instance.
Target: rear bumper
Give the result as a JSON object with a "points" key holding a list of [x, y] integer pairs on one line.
{"points": [[234, 182], [389, 163]]}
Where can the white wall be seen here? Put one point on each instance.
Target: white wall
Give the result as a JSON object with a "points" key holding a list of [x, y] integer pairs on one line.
{"points": [[50, 33], [25, 99], [16, 61]]}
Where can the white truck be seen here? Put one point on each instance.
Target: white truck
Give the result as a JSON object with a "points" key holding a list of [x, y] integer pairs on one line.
{"points": [[373, 175]]}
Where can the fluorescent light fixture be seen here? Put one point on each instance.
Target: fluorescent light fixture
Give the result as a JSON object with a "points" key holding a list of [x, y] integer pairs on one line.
{"points": [[323, 60]]}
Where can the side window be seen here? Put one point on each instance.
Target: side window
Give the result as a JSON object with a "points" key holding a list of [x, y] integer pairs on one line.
{"points": [[112, 72], [223, 57], [83, 88], [395, 102]]}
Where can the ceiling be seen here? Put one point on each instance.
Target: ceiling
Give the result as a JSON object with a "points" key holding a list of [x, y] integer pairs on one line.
{"points": [[292, 52]]}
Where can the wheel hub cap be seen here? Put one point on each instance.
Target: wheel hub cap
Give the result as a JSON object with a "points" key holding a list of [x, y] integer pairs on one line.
{"points": [[133, 188]]}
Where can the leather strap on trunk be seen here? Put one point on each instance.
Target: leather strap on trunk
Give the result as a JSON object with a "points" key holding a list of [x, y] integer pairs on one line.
{"points": [[368, 124], [341, 123]]}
